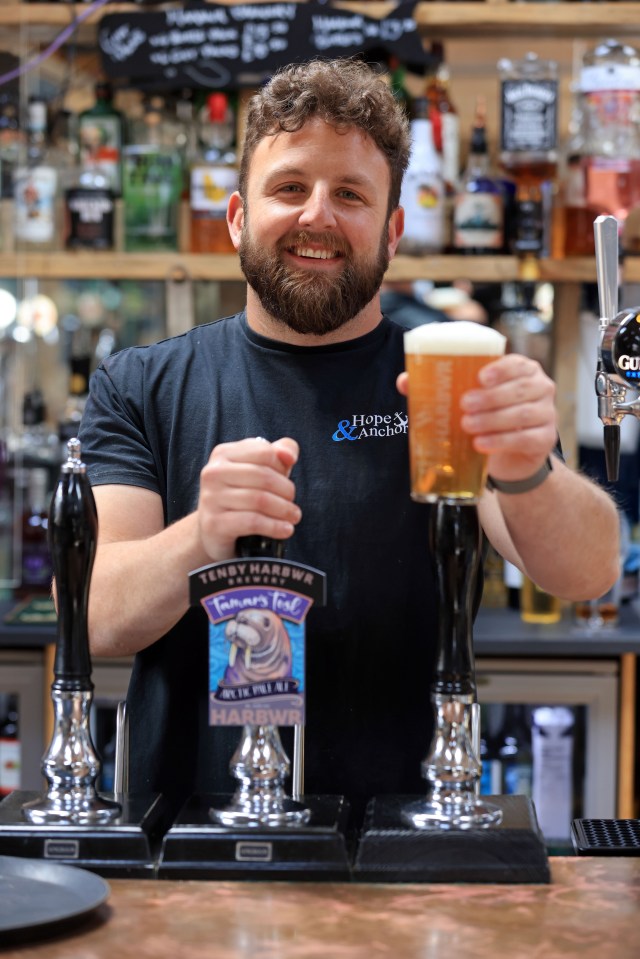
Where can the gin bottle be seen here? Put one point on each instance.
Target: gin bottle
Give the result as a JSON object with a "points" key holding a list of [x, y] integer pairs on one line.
{"points": [[152, 182]]}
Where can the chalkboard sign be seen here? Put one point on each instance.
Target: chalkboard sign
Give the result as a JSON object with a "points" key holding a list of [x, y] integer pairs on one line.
{"points": [[208, 45]]}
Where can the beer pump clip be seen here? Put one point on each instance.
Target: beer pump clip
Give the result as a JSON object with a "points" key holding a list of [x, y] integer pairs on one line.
{"points": [[256, 605], [618, 368]]}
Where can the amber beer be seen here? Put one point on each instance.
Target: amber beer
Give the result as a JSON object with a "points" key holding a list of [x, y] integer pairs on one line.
{"points": [[443, 361]]}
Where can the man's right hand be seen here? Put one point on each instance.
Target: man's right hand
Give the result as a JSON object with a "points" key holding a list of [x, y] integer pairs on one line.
{"points": [[245, 490]]}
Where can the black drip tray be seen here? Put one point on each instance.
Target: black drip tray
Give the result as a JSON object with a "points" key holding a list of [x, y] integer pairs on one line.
{"points": [[606, 837]]}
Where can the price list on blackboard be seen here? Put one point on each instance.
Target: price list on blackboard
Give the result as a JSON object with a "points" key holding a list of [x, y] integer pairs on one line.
{"points": [[209, 45]]}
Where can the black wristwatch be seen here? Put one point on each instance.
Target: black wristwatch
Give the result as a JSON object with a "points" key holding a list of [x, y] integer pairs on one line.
{"points": [[524, 485]]}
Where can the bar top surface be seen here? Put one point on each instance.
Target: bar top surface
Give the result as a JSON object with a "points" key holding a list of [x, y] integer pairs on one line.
{"points": [[591, 909]]}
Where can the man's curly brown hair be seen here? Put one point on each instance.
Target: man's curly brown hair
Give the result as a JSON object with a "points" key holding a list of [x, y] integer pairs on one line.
{"points": [[344, 93]]}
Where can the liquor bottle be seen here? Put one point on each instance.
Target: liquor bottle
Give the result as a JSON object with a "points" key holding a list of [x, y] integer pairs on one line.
{"points": [[522, 324], [187, 136], [398, 85], [36, 187], [515, 752], [90, 211], [100, 133], [152, 181], [9, 748], [79, 372], [494, 590], [528, 142], [552, 734], [604, 166], [37, 570], [444, 119], [478, 218], [38, 444], [513, 583], [64, 151], [12, 143], [423, 190], [214, 177]]}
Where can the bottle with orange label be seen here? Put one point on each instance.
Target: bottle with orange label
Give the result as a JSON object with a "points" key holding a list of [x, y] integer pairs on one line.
{"points": [[214, 177]]}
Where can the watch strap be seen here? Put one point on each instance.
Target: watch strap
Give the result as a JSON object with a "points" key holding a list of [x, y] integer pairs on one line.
{"points": [[524, 485]]}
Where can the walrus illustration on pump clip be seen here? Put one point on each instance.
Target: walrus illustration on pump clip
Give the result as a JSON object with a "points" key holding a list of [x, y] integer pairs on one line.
{"points": [[259, 648]]}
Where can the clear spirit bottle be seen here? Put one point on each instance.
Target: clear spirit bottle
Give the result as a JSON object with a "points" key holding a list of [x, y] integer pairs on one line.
{"points": [[35, 196], [423, 189]]}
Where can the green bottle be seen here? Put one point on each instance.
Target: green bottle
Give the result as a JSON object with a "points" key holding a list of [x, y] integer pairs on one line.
{"points": [[100, 134], [152, 181]]}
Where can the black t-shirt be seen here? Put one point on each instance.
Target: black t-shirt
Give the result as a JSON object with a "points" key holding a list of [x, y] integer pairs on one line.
{"points": [[153, 416]]}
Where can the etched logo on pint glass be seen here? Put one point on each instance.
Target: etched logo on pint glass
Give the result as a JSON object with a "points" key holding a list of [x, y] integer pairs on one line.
{"points": [[443, 361]]}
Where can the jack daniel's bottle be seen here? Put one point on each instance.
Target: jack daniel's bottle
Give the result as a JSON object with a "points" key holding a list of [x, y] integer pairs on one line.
{"points": [[528, 142]]}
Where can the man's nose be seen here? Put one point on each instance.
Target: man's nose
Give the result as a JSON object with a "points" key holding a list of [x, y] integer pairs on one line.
{"points": [[318, 210]]}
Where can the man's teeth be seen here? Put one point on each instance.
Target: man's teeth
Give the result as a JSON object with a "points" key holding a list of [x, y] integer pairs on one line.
{"points": [[316, 254]]}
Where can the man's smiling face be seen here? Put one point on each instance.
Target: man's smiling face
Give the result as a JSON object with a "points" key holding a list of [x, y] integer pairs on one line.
{"points": [[315, 239]]}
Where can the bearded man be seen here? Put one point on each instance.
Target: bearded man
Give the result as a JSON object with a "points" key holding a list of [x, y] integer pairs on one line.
{"points": [[311, 364]]}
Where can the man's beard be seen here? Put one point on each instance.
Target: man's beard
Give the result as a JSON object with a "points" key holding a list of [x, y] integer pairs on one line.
{"points": [[311, 301]]}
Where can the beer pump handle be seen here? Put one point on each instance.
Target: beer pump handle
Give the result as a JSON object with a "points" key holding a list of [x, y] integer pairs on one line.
{"points": [[73, 534], [605, 229], [455, 540], [612, 451], [260, 546], [275, 548]]}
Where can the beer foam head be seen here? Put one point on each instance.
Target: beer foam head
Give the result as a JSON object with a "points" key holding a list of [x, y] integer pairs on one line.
{"points": [[455, 338]]}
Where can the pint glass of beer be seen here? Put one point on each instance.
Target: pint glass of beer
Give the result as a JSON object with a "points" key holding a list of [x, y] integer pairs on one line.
{"points": [[443, 361]]}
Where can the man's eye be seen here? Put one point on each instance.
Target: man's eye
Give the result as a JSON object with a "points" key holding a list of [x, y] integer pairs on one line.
{"points": [[349, 195], [290, 188]]}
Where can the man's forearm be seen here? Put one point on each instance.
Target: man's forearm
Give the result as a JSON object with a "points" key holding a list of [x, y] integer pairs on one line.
{"points": [[566, 533], [139, 589]]}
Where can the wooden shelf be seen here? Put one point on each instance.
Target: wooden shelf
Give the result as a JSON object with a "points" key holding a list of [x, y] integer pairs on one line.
{"points": [[215, 267], [505, 17], [562, 18], [553, 19]]}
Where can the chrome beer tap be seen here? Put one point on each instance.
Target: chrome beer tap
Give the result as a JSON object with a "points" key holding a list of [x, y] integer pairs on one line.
{"points": [[618, 365], [71, 765], [452, 768]]}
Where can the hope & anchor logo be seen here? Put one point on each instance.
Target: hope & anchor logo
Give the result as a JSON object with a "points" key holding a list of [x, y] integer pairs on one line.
{"points": [[368, 425]]}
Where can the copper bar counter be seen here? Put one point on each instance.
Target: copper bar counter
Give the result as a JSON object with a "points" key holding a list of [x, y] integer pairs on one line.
{"points": [[591, 910]]}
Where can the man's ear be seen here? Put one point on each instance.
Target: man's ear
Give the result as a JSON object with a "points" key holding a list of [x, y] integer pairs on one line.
{"points": [[396, 229], [235, 218]]}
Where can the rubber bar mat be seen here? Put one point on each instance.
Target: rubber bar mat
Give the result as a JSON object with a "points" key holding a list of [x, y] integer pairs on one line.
{"points": [[606, 837]]}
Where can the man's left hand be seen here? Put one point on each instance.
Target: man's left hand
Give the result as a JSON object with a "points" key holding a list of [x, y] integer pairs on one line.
{"points": [[511, 415]]}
